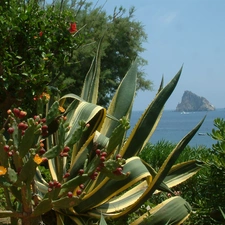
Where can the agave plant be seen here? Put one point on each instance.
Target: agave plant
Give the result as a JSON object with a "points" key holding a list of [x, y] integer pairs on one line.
{"points": [[94, 166]]}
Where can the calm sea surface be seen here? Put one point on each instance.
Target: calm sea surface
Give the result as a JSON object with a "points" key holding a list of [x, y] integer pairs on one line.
{"points": [[173, 126]]}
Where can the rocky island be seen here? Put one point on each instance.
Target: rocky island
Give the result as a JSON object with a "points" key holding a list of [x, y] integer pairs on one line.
{"points": [[191, 103]]}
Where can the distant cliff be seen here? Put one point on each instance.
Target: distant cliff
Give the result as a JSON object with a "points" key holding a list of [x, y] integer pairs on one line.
{"points": [[191, 102]]}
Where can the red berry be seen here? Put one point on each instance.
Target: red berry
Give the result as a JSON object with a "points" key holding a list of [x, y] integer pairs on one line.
{"points": [[10, 153], [63, 154], [22, 114], [81, 186], [37, 118], [94, 175], [66, 149], [25, 126], [81, 171], [44, 128], [118, 156], [98, 151], [42, 151], [102, 158], [66, 175], [9, 111], [51, 184], [6, 148], [104, 154], [43, 120], [55, 183], [118, 171], [22, 126], [44, 159], [16, 112], [58, 185], [70, 194], [10, 130], [79, 192]]}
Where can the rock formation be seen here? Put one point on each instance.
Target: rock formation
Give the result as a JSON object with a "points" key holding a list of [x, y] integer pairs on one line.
{"points": [[191, 103]]}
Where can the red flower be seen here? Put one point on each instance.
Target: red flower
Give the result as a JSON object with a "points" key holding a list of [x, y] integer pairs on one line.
{"points": [[41, 33], [73, 28]]}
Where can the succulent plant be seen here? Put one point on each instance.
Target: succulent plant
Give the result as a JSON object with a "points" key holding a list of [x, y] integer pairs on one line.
{"points": [[95, 170]]}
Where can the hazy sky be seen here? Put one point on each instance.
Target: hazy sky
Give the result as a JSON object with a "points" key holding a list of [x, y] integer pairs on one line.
{"points": [[181, 32]]}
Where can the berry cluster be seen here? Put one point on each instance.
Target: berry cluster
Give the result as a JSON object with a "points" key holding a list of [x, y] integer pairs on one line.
{"points": [[53, 184], [80, 190], [18, 113], [9, 151], [65, 151], [44, 127]]}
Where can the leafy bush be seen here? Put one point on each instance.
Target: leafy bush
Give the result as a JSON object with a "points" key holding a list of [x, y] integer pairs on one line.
{"points": [[205, 190]]}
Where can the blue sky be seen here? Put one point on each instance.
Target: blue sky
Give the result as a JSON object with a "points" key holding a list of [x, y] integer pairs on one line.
{"points": [[181, 32]]}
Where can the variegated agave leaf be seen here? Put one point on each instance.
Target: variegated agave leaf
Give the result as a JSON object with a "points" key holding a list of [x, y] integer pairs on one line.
{"points": [[147, 123], [172, 211]]}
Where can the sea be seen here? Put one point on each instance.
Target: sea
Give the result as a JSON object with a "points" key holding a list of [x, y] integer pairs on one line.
{"points": [[173, 126]]}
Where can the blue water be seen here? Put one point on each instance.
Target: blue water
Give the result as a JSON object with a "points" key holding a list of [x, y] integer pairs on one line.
{"points": [[173, 126]]}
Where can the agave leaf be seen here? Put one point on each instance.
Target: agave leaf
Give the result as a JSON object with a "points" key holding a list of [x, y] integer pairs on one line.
{"points": [[92, 114], [42, 188], [165, 168], [182, 171], [143, 130], [122, 101], [79, 220], [59, 219], [91, 83], [117, 135], [109, 188], [173, 156], [162, 186], [102, 220], [172, 211], [118, 204]]}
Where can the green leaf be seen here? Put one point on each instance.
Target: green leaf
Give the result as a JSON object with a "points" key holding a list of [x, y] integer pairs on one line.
{"points": [[53, 113], [65, 202], [109, 188], [121, 104], [12, 175], [4, 157], [44, 206], [102, 220], [53, 152], [91, 83], [182, 171], [172, 211], [143, 130], [27, 140]]}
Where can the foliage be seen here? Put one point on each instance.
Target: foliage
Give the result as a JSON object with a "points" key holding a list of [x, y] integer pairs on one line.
{"points": [[38, 49], [94, 168], [205, 190], [36, 45]]}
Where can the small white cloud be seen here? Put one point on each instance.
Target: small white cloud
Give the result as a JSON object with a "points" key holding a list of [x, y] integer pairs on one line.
{"points": [[169, 17]]}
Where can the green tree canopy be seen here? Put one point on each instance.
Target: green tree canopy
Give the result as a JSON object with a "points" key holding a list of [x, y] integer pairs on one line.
{"points": [[39, 50]]}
